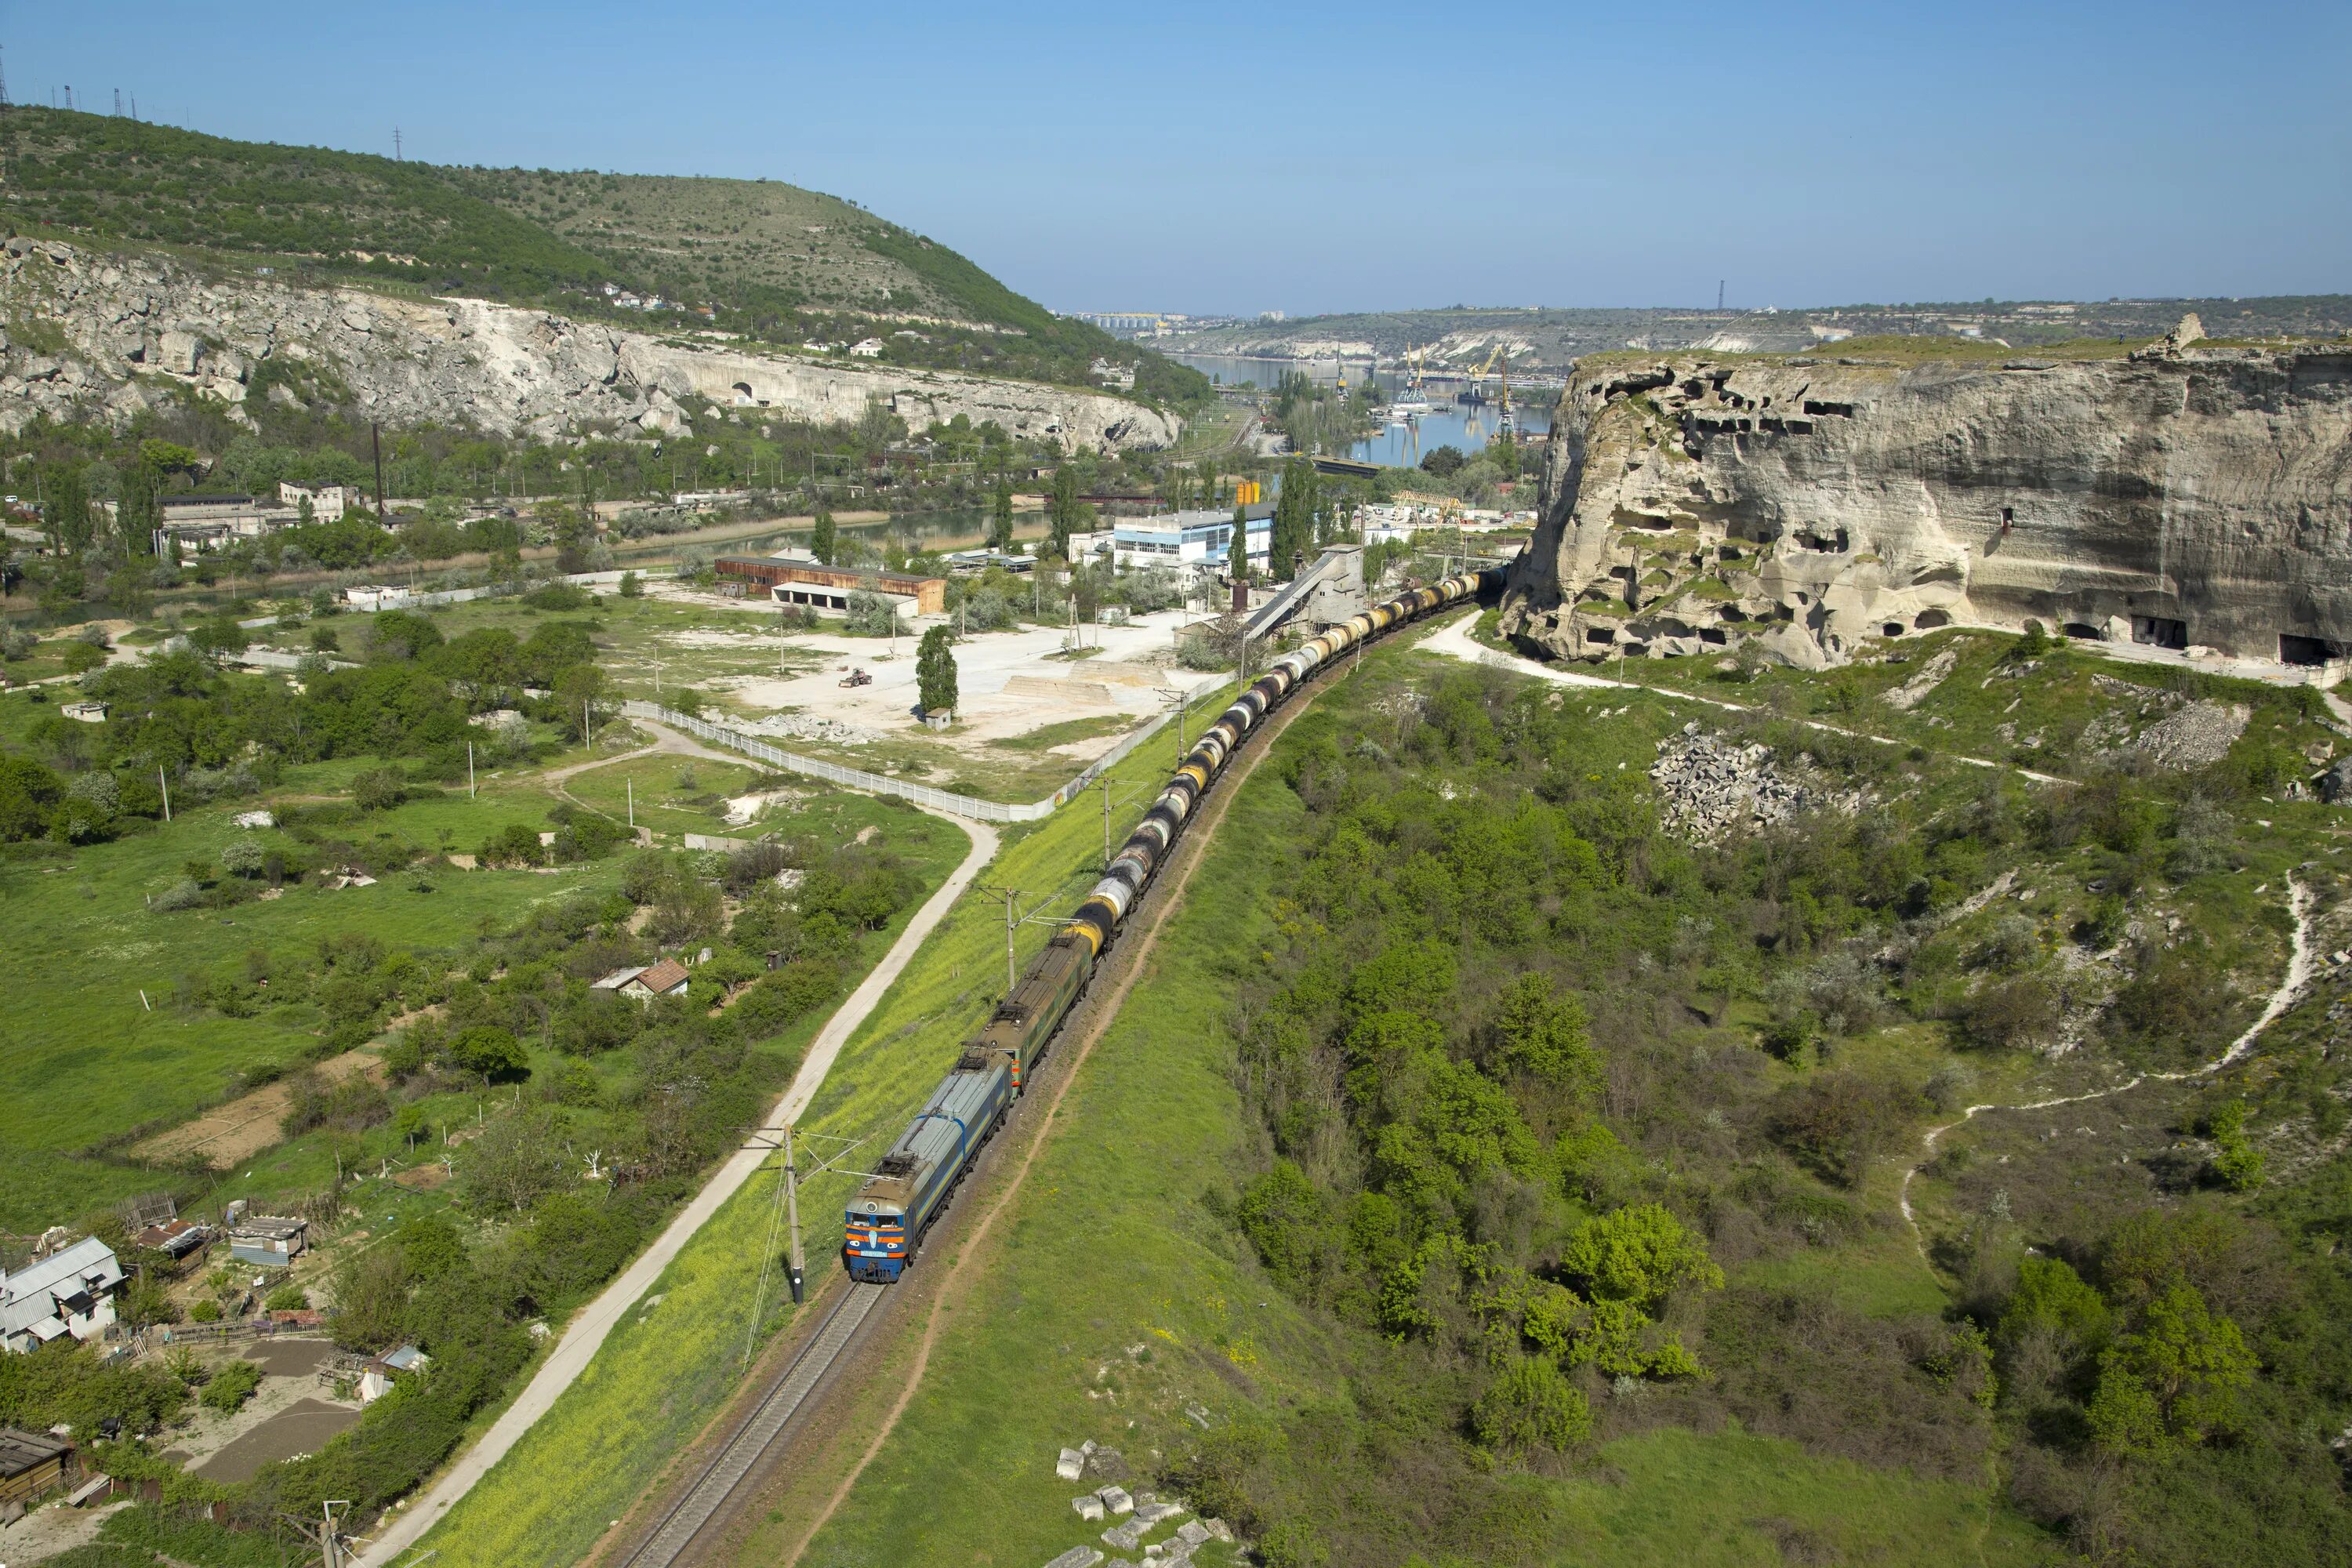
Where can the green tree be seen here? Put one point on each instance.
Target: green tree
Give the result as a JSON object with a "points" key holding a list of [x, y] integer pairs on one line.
{"points": [[136, 511], [2175, 1382], [1295, 511], [2052, 1298], [1544, 1036], [1000, 516], [1064, 511], [1641, 1254], [580, 688], [1237, 549], [935, 671], [490, 1051], [824, 537], [632, 586], [66, 509], [2236, 1161]]}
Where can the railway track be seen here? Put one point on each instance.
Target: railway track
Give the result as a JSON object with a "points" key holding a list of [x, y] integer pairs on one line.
{"points": [[702, 1501], [705, 1500]]}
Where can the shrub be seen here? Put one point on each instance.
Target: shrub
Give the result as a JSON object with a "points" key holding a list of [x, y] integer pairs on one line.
{"points": [[631, 586], [559, 596], [288, 1296], [231, 1387], [379, 789], [1528, 1407], [987, 611], [204, 1312], [244, 856], [1839, 1120], [186, 893], [1286, 1220]]}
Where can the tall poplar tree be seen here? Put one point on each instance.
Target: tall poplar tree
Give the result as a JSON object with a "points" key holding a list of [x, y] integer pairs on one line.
{"points": [[999, 524]]}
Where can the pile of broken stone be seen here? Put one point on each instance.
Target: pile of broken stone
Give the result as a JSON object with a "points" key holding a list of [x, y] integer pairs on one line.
{"points": [[1709, 786], [1138, 1513]]}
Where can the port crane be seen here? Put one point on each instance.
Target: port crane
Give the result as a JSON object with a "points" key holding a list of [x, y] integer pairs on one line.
{"points": [[1499, 359]]}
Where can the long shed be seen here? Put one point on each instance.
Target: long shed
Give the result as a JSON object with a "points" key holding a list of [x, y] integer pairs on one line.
{"points": [[30, 1464]]}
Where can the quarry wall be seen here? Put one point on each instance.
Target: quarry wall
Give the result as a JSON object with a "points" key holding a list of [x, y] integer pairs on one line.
{"points": [[2186, 495], [101, 336]]}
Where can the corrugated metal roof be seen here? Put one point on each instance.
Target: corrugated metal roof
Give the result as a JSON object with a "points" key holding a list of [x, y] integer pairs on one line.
{"points": [[25, 1295]]}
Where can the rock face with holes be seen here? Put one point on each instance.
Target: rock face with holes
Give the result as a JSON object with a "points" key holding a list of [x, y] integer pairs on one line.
{"points": [[141, 331], [2184, 496]]}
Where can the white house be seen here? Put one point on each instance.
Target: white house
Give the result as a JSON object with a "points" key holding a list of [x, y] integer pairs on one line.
{"points": [[70, 1292], [372, 599]]}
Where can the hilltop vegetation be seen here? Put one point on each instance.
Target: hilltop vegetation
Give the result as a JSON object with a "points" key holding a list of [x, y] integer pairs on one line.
{"points": [[1500, 1174], [759, 258]]}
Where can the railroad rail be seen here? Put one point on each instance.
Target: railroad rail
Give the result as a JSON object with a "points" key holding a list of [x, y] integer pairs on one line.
{"points": [[700, 1502], [899, 1204]]}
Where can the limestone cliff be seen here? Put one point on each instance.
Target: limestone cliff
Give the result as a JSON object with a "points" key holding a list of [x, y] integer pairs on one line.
{"points": [[101, 336], [2181, 494]]}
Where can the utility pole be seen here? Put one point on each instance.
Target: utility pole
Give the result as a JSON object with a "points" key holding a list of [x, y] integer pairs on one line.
{"points": [[470, 770], [797, 1269], [375, 435], [166, 785], [396, 144], [632, 786]]}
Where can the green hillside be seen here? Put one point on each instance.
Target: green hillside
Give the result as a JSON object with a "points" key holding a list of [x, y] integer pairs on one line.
{"points": [[756, 256]]}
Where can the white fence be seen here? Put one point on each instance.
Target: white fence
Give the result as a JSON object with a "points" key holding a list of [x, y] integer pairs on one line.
{"points": [[948, 801]]}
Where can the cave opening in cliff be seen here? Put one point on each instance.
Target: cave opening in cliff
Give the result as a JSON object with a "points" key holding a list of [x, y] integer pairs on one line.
{"points": [[2293, 649], [2160, 631]]}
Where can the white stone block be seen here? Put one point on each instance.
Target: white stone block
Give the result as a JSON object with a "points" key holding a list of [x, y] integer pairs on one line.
{"points": [[1115, 1500], [1077, 1557], [1068, 1466], [1090, 1507]]}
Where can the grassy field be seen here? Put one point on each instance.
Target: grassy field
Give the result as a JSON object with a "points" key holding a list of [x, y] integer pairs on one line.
{"points": [[667, 1369], [1115, 1306], [108, 1041], [131, 1053]]}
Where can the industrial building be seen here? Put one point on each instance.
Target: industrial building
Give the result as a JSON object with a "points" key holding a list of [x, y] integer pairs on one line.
{"points": [[794, 578], [1196, 544]]}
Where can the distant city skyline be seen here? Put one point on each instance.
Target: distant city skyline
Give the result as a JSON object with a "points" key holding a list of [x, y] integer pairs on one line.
{"points": [[1224, 161]]}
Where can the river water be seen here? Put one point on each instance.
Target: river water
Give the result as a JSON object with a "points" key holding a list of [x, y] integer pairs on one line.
{"points": [[1464, 426]]}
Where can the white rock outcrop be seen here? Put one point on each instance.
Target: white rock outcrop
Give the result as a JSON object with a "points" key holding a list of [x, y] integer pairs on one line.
{"points": [[2186, 495], [142, 328]]}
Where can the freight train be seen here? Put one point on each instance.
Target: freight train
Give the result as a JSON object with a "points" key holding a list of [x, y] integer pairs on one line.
{"points": [[887, 1221]]}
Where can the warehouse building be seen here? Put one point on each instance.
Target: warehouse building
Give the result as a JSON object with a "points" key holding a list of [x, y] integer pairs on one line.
{"points": [[793, 578]]}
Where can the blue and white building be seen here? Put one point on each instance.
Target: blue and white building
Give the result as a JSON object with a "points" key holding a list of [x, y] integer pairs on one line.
{"points": [[1196, 544]]}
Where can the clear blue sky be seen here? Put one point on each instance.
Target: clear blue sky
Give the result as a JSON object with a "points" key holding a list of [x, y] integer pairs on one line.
{"points": [[1222, 157]]}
